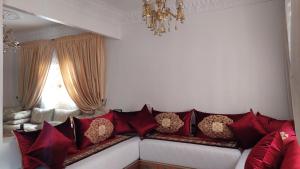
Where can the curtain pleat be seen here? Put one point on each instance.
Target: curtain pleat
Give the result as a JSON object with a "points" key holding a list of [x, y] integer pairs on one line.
{"points": [[82, 63], [34, 63]]}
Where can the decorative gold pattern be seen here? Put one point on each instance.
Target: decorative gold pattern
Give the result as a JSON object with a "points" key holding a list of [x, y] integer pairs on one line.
{"points": [[284, 135], [215, 126], [193, 140], [157, 15], [168, 122], [89, 151], [100, 129]]}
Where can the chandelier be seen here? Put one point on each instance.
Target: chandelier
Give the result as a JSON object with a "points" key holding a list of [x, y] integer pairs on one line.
{"points": [[158, 16], [9, 41]]}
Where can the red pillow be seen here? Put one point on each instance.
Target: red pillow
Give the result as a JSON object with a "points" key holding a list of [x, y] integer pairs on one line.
{"points": [[287, 132], [143, 122], [25, 140], [82, 125], [121, 122], [270, 124], [185, 130], [199, 116], [49, 147], [247, 130], [291, 156], [267, 153]]}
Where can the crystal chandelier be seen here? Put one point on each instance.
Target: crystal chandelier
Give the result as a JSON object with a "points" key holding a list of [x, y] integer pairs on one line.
{"points": [[158, 16], [9, 41]]}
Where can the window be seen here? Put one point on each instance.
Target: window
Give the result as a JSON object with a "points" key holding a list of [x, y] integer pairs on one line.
{"points": [[55, 94]]}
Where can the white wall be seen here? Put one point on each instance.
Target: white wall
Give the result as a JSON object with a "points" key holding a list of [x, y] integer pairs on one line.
{"points": [[10, 79], [1, 73], [226, 60], [11, 58]]}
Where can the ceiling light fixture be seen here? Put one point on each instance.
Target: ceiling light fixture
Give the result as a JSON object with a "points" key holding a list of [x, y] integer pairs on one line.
{"points": [[158, 16], [9, 41]]}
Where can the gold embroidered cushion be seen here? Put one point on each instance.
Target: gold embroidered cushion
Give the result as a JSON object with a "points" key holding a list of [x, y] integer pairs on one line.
{"points": [[100, 129], [168, 123], [215, 126]]}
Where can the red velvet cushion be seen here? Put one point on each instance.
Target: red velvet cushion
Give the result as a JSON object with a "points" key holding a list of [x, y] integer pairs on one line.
{"points": [[292, 156], [267, 153], [270, 124], [199, 116], [50, 147], [25, 140], [288, 130], [143, 122], [121, 122], [185, 130], [248, 130], [82, 125]]}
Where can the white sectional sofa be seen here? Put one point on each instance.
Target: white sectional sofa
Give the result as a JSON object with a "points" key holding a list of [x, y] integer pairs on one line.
{"points": [[127, 152], [189, 155]]}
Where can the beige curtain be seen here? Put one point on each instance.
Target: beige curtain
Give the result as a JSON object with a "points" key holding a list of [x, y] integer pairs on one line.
{"points": [[294, 69], [34, 63], [82, 63]]}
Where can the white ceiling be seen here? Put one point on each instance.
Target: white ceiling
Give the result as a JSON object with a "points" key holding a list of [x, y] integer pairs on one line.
{"points": [[25, 21], [134, 5], [125, 5]]}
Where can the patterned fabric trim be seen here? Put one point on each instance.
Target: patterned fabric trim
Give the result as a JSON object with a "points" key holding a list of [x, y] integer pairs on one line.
{"points": [[91, 150], [193, 140]]}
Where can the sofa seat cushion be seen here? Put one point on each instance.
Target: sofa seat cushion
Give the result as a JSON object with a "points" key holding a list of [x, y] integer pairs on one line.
{"points": [[14, 122], [189, 155], [32, 127], [242, 160], [116, 157]]}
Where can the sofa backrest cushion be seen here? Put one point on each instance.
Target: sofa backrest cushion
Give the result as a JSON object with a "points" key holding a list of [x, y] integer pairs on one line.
{"points": [[62, 114], [39, 115], [17, 115], [9, 110]]}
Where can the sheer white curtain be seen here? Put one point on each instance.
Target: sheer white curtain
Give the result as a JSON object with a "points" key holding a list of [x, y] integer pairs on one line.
{"points": [[293, 25], [55, 94]]}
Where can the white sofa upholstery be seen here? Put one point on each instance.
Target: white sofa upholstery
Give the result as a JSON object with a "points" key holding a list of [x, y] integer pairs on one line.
{"points": [[116, 157], [189, 155], [125, 153], [242, 160]]}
